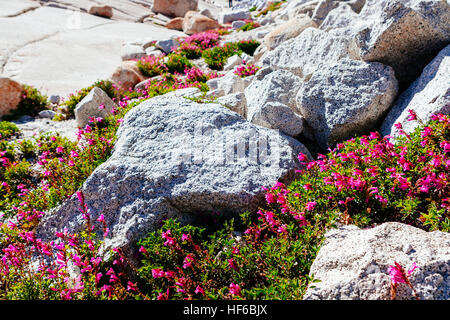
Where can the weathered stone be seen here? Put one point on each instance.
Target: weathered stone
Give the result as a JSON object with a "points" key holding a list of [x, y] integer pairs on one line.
{"points": [[235, 102], [127, 75], [10, 95], [341, 17], [229, 83], [322, 9], [271, 101], [207, 13], [231, 16], [101, 10], [96, 104], [288, 30], [54, 98], [402, 34], [32, 46], [275, 115], [131, 52], [175, 157], [237, 24], [353, 263], [174, 8], [429, 94], [175, 24], [232, 62], [48, 114], [312, 50], [194, 22], [347, 98], [167, 45]]}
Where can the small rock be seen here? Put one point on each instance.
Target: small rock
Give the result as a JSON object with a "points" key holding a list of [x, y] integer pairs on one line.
{"points": [[127, 75], [175, 24], [429, 94], [194, 22], [288, 30], [96, 104], [49, 114], [167, 45], [231, 16], [237, 24], [235, 102], [232, 62], [101, 10]]}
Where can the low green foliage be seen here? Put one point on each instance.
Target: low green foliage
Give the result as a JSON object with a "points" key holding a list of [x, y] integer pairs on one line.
{"points": [[31, 104], [248, 46], [7, 130], [74, 99], [271, 6], [177, 63], [249, 26]]}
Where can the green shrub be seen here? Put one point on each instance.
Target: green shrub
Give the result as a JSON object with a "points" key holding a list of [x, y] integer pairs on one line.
{"points": [[250, 26], [271, 6], [248, 46], [177, 63], [8, 129], [74, 99], [151, 66], [217, 57], [31, 104]]}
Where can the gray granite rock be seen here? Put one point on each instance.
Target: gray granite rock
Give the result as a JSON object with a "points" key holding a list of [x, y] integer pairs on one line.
{"points": [[235, 102], [310, 51], [353, 263], [230, 16], [167, 45], [131, 52], [90, 106], [175, 157], [429, 94], [322, 9], [275, 115], [402, 34], [271, 101], [347, 98]]}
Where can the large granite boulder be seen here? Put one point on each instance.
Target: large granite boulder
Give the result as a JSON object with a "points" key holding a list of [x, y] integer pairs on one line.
{"points": [[174, 8], [288, 30], [429, 94], [403, 34], [353, 263], [176, 157], [310, 51], [348, 98]]}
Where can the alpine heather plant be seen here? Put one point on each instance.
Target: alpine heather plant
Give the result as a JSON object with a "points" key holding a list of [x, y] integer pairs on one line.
{"points": [[33, 269], [399, 275], [246, 70]]}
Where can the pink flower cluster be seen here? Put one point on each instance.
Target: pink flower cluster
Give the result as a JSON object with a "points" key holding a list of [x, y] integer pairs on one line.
{"points": [[246, 70]]}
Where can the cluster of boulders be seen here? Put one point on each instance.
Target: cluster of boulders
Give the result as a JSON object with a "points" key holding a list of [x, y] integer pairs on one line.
{"points": [[328, 70]]}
